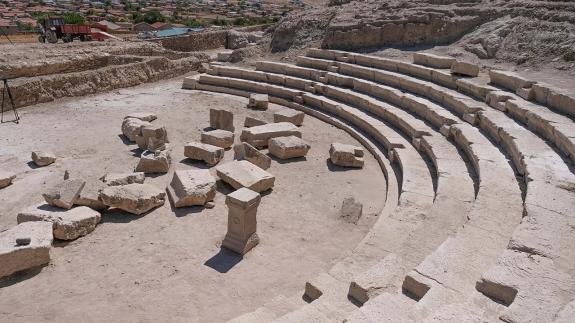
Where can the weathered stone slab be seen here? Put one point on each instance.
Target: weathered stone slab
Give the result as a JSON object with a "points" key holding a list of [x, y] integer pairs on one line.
{"points": [[432, 60], [210, 154], [154, 162], [245, 174], [346, 155], [260, 135], [509, 80], [116, 179], [222, 119], [6, 178], [288, 147], [289, 115], [131, 127], [464, 68], [43, 158], [242, 223], [192, 187], [144, 116], [65, 194], [351, 210], [252, 122], [376, 280], [220, 138], [259, 101], [67, 224], [133, 198], [250, 153], [90, 195], [18, 257], [152, 137]]}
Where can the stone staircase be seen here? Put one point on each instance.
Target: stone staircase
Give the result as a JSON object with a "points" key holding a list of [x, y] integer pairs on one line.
{"points": [[484, 196]]}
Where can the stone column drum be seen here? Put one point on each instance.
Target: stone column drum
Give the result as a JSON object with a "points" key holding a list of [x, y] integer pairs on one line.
{"points": [[243, 206]]}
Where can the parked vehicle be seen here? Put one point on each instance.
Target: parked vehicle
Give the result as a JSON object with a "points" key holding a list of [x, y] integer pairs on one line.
{"points": [[53, 28]]}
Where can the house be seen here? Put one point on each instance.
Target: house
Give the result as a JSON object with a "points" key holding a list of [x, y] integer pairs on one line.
{"points": [[161, 25], [143, 26]]}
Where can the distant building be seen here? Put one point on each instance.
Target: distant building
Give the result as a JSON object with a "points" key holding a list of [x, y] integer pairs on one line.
{"points": [[143, 26], [161, 25]]}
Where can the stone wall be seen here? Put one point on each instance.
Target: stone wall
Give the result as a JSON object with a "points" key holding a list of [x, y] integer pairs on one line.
{"points": [[196, 41]]}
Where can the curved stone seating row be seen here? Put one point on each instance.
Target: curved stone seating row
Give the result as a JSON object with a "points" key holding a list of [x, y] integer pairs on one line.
{"points": [[540, 247], [556, 128], [497, 179]]}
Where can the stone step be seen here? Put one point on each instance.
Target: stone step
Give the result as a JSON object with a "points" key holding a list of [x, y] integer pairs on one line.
{"points": [[278, 306]]}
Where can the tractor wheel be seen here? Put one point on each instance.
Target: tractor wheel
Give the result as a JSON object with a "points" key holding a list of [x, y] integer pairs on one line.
{"points": [[51, 37], [42, 39], [83, 37], [67, 38]]}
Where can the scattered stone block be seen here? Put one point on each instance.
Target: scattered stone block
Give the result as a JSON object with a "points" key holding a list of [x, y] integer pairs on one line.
{"points": [[259, 101], [42, 158], [289, 115], [220, 138], [133, 198], [288, 147], [67, 224], [192, 187], [6, 178], [152, 137], [65, 194], [154, 162], [210, 154], [242, 173], [90, 195], [132, 127], [15, 257], [144, 116], [242, 223], [260, 135], [464, 68], [222, 119], [224, 56], [351, 210], [252, 122], [346, 155], [117, 179], [245, 151]]}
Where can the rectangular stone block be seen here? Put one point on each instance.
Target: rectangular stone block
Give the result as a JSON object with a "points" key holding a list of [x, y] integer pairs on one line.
{"points": [[221, 119], [245, 151], [210, 154], [192, 187], [289, 115], [15, 257], [288, 147], [432, 60], [464, 68], [65, 194], [245, 174], [258, 136], [67, 224], [220, 138], [258, 101]]}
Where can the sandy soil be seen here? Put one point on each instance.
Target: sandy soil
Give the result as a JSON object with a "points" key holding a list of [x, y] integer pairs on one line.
{"points": [[167, 265]]}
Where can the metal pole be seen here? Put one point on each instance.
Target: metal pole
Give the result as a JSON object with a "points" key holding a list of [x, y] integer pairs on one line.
{"points": [[5, 89]]}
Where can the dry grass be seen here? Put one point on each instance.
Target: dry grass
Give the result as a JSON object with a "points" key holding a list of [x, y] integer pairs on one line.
{"points": [[29, 38]]}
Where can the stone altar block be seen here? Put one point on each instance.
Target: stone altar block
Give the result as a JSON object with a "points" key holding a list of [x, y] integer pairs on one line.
{"points": [[242, 224]]}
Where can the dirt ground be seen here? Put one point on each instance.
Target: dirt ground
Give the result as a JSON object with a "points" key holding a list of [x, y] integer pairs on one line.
{"points": [[168, 263]]}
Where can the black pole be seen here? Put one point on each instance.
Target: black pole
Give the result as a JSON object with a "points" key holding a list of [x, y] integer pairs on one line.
{"points": [[6, 35], [6, 89]]}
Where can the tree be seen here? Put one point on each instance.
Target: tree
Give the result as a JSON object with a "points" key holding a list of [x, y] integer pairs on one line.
{"points": [[73, 18], [149, 17]]}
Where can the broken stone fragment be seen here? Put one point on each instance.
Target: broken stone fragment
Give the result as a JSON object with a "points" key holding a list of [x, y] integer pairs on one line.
{"points": [[65, 194], [117, 179], [133, 198], [90, 195], [221, 119], [15, 257], [152, 137], [260, 135], [250, 153], [67, 224], [192, 187], [245, 174], [210, 154], [252, 122], [154, 162], [351, 210], [346, 155], [258, 101], [220, 138], [289, 115], [42, 158], [464, 68], [288, 147], [144, 116], [6, 178], [132, 127]]}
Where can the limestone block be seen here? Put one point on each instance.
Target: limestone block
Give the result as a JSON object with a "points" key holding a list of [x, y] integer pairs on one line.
{"points": [[351, 210], [116, 179], [43, 158], [376, 280], [288, 147], [6, 178], [346, 155], [245, 151], [252, 122], [221, 119], [192, 187], [242, 223], [289, 115], [14, 257], [131, 127], [224, 56], [90, 195], [152, 137], [67, 224], [509, 80], [154, 162], [65, 194], [245, 174], [432, 60], [464, 68], [220, 138], [259, 136], [258, 101], [133, 198], [210, 154], [144, 116]]}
